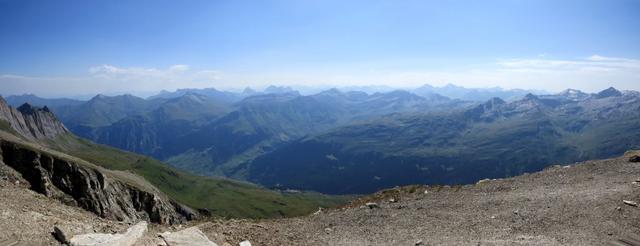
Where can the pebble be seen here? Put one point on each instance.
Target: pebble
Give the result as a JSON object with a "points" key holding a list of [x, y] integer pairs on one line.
{"points": [[419, 242], [372, 205], [245, 243]]}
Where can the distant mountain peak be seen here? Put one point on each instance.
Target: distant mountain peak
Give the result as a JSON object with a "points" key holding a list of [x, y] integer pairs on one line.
{"points": [[272, 89], [495, 101], [571, 92], [609, 92], [248, 91], [26, 108], [530, 96], [99, 96]]}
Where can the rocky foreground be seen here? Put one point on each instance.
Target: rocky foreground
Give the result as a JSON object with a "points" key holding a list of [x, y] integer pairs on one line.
{"points": [[590, 203]]}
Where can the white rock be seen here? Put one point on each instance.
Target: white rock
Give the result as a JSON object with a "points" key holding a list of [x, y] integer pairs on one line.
{"points": [[245, 243], [99, 239], [191, 236], [630, 203]]}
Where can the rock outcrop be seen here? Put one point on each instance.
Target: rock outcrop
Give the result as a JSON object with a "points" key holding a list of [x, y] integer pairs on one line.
{"points": [[90, 187], [31, 122]]}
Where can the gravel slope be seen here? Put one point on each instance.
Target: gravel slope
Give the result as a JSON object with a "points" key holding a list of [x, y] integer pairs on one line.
{"points": [[577, 205]]}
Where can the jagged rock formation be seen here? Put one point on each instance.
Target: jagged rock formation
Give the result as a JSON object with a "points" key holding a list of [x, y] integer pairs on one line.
{"points": [[31, 122], [90, 188]]}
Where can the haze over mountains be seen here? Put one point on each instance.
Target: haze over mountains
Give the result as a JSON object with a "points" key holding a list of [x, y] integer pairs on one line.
{"points": [[343, 142]]}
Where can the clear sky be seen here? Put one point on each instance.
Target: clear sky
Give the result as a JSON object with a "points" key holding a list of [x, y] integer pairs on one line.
{"points": [[90, 46]]}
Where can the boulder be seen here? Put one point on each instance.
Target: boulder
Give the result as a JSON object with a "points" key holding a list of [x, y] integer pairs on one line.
{"points": [[634, 158], [191, 236], [130, 237]]}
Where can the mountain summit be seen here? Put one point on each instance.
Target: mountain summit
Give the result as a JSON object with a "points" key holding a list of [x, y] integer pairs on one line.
{"points": [[609, 92]]}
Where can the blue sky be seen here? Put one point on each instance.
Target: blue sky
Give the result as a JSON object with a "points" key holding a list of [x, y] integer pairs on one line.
{"points": [[93, 46]]}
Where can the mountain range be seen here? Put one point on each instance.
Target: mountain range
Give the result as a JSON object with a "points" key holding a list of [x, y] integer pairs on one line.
{"points": [[343, 142]]}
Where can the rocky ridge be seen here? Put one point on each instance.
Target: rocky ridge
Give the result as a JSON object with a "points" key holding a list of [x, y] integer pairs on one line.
{"points": [[31, 122], [90, 187]]}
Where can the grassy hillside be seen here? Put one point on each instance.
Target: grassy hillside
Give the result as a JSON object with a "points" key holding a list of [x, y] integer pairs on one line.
{"points": [[222, 197]]}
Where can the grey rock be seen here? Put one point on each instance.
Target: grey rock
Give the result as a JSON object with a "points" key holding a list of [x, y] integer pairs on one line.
{"points": [[191, 236], [130, 237], [245, 243], [635, 158]]}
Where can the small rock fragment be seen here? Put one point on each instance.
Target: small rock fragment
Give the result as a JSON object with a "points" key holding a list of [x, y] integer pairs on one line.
{"points": [[372, 205], [419, 243], [634, 158], [61, 235], [245, 243], [618, 208], [392, 200], [426, 192], [630, 203]]}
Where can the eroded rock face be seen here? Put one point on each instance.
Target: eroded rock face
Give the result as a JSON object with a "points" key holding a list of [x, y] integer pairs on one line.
{"points": [[90, 188], [31, 122]]}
